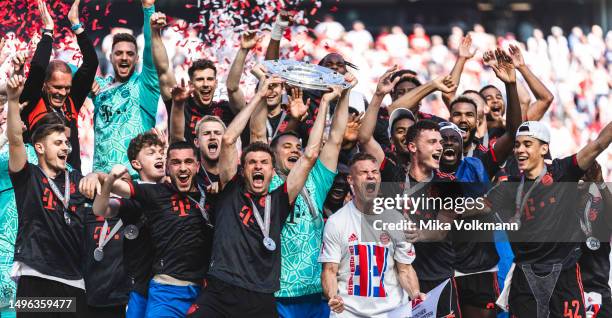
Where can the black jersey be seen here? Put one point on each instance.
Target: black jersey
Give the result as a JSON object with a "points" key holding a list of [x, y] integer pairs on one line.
{"points": [[595, 264], [181, 236], [549, 223], [239, 257], [139, 252], [195, 112], [434, 260], [105, 281], [49, 237]]}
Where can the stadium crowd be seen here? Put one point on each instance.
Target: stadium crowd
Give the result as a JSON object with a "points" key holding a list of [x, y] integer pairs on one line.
{"points": [[158, 176]]}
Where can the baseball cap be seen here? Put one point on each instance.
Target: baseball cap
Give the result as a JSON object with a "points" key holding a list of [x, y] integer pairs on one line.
{"points": [[397, 114], [534, 129]]}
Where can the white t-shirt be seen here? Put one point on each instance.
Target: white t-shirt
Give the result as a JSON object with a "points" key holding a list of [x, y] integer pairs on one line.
{"points": [[367, 280]]}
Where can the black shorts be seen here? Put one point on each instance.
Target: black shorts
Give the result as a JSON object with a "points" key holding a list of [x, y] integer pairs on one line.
{"points": [[449, 300], [220, 299], [478, 290], [567, 299], [31, 286]]}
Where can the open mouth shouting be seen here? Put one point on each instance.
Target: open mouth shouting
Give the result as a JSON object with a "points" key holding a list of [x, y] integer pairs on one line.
{"points": [[206, 93], [448, 154], [57, 99], [370, 187], [293, 158], [183, 180], [123, 68], [496, 110], [159, 165], [62, 156], [213, 147], [436, 156], [258, 180]]}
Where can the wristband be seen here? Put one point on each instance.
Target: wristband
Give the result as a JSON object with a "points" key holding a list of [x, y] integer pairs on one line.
{"points": [[278, 30], [601, 186], [75, 27], [50, 31]]}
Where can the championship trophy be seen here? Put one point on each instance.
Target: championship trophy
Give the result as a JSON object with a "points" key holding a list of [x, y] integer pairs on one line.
{"points": [[305, 75]]}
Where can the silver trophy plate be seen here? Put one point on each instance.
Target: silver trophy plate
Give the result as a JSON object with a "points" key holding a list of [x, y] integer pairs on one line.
{"points": [[305, 75]]}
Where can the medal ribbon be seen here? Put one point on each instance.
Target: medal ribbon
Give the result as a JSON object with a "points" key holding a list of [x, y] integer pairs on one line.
{"points": [[264, 225], [305, 194], [272, 133], [63, 198], [201, 204], [520, 199], [103, 240]]}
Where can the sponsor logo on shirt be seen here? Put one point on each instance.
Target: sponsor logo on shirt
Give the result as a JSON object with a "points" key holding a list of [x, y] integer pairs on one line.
{"points": [[180, 205]]}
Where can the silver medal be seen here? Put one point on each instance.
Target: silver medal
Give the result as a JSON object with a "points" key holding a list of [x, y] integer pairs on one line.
{"points": [[98, 254], [269, 244], [66, 218], [592, 243], [131, 232]]}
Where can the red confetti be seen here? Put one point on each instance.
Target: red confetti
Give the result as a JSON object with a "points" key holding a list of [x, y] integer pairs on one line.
{"points": [[287, 34], [122, 21]]}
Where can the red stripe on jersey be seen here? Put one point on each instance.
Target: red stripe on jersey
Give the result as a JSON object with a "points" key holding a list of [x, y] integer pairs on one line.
{"points": [[454, 282], [496, 284], [363, 270], [379, 251], [383, 163], [131, 189], [492, 149], [579, 280]]}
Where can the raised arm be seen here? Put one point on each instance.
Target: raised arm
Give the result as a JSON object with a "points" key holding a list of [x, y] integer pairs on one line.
{"points": [[331, 149], [17, 150], [282, 22], [586, 156], [85, 75], [179, 95], [229, 154], [368, 124], [32, 90], [148, 77], [257, 122], [465, 53], [412, 99], [248, 41], [299, 173], [505, 71], [165, 74], [544, 97], [112, 183]]}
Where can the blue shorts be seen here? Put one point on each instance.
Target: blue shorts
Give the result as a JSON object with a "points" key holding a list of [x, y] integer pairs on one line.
{"points": [[137, 305], [309, 306], [168, 301]]}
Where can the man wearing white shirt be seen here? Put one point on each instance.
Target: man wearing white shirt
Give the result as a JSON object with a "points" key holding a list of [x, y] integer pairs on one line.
{"points": [[361, 278]]}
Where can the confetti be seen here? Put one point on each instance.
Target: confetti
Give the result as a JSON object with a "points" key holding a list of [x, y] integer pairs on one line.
{"points": [[22, 18], [218, 16]]}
